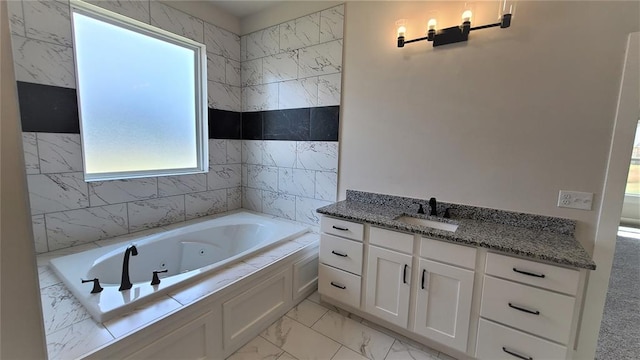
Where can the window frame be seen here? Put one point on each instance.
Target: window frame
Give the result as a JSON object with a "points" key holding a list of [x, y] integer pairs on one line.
{"points": [[200, 82]]}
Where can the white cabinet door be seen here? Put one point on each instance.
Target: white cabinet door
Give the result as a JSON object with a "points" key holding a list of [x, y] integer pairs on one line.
{"points": [[388, 288], [443, 303]]}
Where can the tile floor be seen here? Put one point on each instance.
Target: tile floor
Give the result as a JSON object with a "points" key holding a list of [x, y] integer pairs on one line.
{"points": [[315, 330]]}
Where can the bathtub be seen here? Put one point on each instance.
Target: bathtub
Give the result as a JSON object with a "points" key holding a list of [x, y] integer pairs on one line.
{"points": [[187, 253]]}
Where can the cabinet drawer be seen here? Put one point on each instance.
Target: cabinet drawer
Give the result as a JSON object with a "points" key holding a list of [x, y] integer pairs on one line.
{"points": [[508, 302], [459, 255], [499, 342], [339, 285], [534, 273], [391, 240], [341, 253], [342, 228]]}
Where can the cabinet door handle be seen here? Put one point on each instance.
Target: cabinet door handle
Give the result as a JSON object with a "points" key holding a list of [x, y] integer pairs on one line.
{"points": [[340, 228], [338, 253], [424, 273], [404, 273], [513, 353], [529, 273], [338, 286], [534, 312]]}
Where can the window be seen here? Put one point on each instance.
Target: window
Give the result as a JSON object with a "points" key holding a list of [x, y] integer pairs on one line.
{"points": [[141, 96]]}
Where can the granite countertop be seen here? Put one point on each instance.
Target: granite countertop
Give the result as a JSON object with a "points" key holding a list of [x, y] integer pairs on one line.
{"points": [[536, 243]]}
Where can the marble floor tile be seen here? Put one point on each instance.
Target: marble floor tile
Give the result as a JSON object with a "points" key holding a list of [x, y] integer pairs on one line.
{"points": [[286, 356], [307, 312], [60, 308], [257, 349], [402, 351], [360, 338], [347, 354], [76, 340], [299, 340], [47, 277], [315, 297]]}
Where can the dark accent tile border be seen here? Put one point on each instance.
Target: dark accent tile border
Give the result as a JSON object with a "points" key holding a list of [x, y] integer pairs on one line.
{"points": [[303, 124], [325, 123], [225, 124], [46, 108]]}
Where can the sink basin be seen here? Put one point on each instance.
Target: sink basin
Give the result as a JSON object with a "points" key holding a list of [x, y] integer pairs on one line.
{"points": [[428, 223]]}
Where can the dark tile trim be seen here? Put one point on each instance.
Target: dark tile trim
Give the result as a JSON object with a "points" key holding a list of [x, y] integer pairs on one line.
{"points": [[304, 124], [225, 124], [45, 108]]}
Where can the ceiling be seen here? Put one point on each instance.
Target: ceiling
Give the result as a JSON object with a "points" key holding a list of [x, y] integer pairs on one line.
{"points": [[242, 8]]}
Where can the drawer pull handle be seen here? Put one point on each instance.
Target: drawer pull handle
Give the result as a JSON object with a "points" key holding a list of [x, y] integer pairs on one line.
{"points": [[340, 228], [513, 353], [534, 312], [424, 273], [529, 273], [338, 253], [404, 274], [338, 286]]}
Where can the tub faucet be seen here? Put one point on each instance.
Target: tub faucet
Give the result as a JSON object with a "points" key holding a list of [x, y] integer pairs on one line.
{"points": [[125, 283], [433, 205]]}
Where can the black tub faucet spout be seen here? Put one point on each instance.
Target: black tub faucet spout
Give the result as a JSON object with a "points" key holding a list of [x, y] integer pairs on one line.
{"points": [[433, 204], [125, 283]]}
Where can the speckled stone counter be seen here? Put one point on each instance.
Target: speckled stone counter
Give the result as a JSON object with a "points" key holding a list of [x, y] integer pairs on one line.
{"points": [[533, 236]]}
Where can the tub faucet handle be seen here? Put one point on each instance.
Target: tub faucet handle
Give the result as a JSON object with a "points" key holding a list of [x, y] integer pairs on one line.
{"points": [[96, 285], [420, 209], [156, 279]]}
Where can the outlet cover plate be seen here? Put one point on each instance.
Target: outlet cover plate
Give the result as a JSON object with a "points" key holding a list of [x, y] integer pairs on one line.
{"points": [[575, 200]]}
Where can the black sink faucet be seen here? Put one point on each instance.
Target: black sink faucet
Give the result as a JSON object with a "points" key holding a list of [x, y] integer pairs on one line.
{"points": [[433, 205], [125, 283]]}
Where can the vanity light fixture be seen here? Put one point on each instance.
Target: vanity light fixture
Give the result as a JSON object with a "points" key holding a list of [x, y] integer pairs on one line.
{"points": [[459, 33]]}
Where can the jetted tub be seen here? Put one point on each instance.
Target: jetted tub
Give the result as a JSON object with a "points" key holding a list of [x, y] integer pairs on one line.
{"points": [[188, 253]]}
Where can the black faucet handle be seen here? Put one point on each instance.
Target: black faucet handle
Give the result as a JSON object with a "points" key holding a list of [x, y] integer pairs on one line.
{"points": [[420, 209], [156, 279], [96, 285], [447, 214]]}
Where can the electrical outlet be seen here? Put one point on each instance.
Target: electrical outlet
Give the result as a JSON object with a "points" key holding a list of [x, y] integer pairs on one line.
{"points": [[575, 200]]}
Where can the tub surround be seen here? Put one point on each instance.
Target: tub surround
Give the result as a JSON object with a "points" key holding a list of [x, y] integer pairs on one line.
{"points": [[532, 236]]}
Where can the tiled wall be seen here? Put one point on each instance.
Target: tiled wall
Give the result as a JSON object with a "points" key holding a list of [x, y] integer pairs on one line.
{"points": [[293, 65]]}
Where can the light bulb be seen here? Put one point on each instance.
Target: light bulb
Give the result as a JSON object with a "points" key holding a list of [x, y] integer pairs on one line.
{"points": [[401, 31], [466, 16], [431, 24]]}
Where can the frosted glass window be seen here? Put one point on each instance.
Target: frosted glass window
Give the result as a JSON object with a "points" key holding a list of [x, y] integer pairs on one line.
{"points": [[141, 95]]}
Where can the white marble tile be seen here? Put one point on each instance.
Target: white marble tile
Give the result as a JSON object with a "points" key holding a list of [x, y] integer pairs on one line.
{"points": [[306, 210], [43, 259], [298, 93], [315, 297], [205, 203], [217, 152], [329, 89], [280, 67], [346, 314], [299, 340], [307, 312], [252, 151], [443, 356], [224, 176], [260, 97], [332, 23], [279, 153], [233, 69], [245, 175], [251, 72], [297, 182], [60, 308], [360, 338], [263, 43], [401, 351], [135, 9], [286, 356], [301, 32], [274, 254], [43, 63], [222, 42], [48, 21], [257, 349], [39, 234], [320, 59], [243, 48], [155, 212], [181, 184], [46, 277], [75, 227], [279, 204], [30, 148], [252, 199], [234, 198], [210, 284], [216, 68], [234, 151], [16, 17], [141, 315], [57, 192], [326, 186], [224, 97], [317, 155], [76, 340], [177, 22], [262, 177], [59, 153], [119, 191], [347, 354]]}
